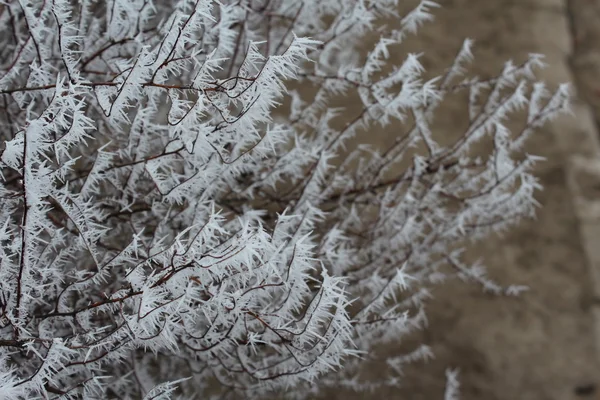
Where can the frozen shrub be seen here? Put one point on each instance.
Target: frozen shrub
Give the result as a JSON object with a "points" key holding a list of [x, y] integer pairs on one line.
{"points": [[175, 222]]}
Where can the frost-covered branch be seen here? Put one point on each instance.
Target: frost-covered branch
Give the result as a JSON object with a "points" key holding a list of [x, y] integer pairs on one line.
{"points": [[183, 209]]}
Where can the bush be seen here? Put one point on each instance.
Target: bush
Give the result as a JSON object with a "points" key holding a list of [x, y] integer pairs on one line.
{"points": [[174, 221]]}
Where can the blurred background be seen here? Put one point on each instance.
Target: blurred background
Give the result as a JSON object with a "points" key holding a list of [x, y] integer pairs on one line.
{"points": [[543, 344]]}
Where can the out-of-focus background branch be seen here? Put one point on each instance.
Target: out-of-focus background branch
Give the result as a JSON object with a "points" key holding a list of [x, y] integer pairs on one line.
{"points": [[543, 344]]}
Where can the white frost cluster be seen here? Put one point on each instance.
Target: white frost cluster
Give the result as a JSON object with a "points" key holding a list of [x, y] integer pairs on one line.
{"points": [[175, 221]]}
